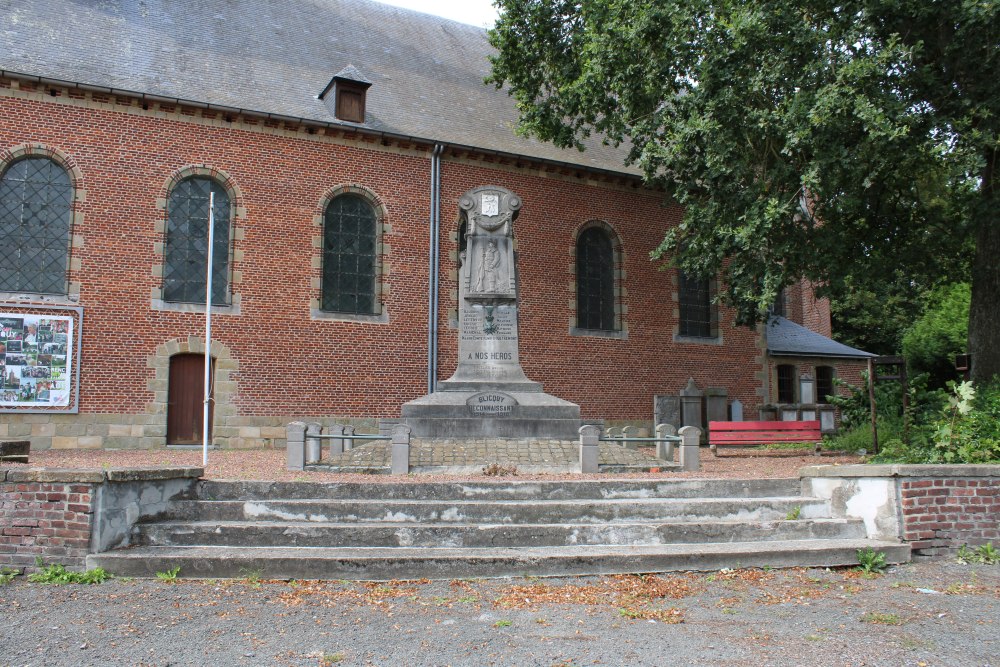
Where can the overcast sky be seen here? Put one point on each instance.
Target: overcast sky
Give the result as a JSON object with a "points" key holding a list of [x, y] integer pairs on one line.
{"points": [[479, 13]]}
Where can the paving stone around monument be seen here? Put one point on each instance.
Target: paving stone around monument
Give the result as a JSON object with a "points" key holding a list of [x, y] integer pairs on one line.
{"points": [[473, 454]]}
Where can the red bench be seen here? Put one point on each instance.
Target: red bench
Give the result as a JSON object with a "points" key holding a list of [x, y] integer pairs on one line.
{"points": [[750, 434]]}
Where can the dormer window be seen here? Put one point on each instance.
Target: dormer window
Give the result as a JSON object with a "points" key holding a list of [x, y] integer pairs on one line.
{"points": [[344, 96]]}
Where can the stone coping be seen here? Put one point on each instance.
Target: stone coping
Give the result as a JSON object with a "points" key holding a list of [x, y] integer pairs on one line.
{"points": [[902, 470], [99, 475]]}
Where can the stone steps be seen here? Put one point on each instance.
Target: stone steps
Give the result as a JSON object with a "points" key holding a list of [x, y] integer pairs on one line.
{"points": [[502, 489], [386, 534], [385, 563], [501, 511], [412, 530]]}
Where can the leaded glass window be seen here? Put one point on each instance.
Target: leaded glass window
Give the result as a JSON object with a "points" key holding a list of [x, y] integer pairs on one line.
{"points": [[786, 383], [350, 242], [595, 280], [186, 249], [695, 307], [35, 199]]}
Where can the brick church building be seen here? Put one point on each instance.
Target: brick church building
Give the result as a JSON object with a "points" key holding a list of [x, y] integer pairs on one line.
{"points": [[337, 137]]}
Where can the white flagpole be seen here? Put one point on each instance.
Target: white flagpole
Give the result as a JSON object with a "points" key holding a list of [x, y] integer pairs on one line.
{"points": [[208, 327]]}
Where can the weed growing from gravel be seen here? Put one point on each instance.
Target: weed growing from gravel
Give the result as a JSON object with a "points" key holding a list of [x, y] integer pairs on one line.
{"points": [[328, 659], [871, 561], [984, 554], [7, 575], [503, 623], [58, 574], [170, 576], [251, 577]]}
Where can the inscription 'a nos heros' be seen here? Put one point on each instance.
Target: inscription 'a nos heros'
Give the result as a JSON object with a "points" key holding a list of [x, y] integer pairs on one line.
{"points": [[491, 356]]}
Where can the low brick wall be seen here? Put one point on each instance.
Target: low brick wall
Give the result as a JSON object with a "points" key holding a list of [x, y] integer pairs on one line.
{"points": [[940, 515], [936, 508], [62, 515]]}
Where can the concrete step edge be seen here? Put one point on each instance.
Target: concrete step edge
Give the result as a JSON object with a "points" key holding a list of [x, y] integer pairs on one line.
{"points": [[381, 563]]}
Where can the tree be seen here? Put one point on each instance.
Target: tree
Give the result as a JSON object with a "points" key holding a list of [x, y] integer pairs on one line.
{"points": [[939, 333], [804, 138]]}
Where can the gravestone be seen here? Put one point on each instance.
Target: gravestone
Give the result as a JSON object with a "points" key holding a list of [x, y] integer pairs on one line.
{"points": [[737, 411], [489, 395], [667, 410], [717, 404], [692, 409]]}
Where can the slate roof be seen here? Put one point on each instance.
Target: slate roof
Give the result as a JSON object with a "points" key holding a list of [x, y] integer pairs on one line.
{"points": [[277, 56], [786, 338]]}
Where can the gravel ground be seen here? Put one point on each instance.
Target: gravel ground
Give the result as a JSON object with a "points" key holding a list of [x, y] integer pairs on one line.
{"points": [[924, 614], [270, 465]]}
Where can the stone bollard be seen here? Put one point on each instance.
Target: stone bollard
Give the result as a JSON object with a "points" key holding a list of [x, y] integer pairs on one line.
{"points": [[665, 450], [348, 440], [314, 450], [690, 448], [336, 444], [295, 434], [589, 449], [400, 449]]}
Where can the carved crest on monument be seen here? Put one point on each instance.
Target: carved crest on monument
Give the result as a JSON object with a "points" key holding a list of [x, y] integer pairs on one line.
{"points": [[488, 268]]}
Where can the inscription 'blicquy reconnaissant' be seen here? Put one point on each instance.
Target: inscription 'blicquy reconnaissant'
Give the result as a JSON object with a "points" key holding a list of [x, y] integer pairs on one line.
{"points": [[489, 393]]}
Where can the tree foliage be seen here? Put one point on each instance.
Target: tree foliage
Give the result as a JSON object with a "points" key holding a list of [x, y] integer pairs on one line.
{"points": [[804, 138], [940, 333]]}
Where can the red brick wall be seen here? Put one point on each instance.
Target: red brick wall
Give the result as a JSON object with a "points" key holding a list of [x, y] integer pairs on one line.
{"points": [[291, 365], [804, 308], [940, 515], [49, 520]]}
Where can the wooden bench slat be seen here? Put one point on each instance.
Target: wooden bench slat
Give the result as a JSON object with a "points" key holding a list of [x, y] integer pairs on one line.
{"points": [[764, 426], [785, 436]]}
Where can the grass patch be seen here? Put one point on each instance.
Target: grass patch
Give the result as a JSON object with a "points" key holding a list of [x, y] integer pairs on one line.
{"points": [[7, 575], [984, 554], [59, 575], [878, 618]]}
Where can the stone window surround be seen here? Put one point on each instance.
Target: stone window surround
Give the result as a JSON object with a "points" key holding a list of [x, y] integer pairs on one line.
{"points": [[382, 267], [224, 386], [237, 233], [621, 310], [713, 287], [9, 156]]}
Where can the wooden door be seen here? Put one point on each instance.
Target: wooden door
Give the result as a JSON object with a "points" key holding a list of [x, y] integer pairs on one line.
{"points": [[186, 399]]}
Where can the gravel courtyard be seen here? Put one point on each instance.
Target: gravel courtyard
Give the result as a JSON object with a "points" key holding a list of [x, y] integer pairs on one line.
{"points": [[923, 614]]}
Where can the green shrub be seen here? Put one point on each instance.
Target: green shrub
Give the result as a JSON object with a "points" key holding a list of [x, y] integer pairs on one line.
{"points": [[931, 343]]}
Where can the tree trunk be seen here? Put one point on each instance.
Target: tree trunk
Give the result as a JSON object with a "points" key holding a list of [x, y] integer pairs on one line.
{"points": [[984, 312]]}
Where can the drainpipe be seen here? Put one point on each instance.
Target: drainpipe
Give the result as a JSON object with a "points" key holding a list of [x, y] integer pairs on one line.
{"points": [[434, 264]]}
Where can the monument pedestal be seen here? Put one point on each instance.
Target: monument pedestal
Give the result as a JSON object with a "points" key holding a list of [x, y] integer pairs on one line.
{"points": [[489, 394], [492, 414]]}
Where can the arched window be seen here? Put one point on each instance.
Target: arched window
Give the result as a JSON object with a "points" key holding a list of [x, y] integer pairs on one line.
{"points": [[186, 248], [595, 281], [350, 256], [35, 219]]}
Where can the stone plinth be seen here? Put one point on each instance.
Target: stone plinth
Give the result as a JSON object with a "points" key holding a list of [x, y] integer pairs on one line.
{"points": [[489, 395]]}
